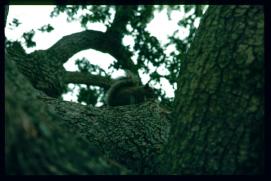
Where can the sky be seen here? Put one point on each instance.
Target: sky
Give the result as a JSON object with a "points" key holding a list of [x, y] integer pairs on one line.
{"points": [[36, 16]]}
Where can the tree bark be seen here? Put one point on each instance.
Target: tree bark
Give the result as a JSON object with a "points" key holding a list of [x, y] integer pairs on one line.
{"points": [[87, 79], [219, 104], [35, 143]]}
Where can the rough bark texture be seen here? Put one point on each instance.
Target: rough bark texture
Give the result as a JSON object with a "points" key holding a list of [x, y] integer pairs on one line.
{"points": [[35, 144], [42, 69], [132, 135], [219, 113]]}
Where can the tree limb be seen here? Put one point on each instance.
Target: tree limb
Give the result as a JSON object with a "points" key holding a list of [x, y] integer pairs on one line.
{"points": [[132, 135], [35, 143], [86, 78], [69, 45]]}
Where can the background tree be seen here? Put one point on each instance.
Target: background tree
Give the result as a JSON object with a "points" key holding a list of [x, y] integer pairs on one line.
{"points": [[214, 126]]}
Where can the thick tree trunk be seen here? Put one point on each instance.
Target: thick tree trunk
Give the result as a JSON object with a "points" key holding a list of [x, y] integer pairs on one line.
{"points": [[218, 120]]}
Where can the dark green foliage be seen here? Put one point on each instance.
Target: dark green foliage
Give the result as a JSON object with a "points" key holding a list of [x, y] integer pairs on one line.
{"points": [[15, 22], [28, 37], [88, 95], [149, 51], [99, 14], [91, 94], [147, 48], [142, 16], [85, 66], [70, 10], [46, 28], [95, 13]]}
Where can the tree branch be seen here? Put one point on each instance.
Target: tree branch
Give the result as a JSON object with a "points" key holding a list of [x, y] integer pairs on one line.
{"points": [[34, 141], [117, 31], [122, 17], [109, 42], [69, 45], [132, 135], [86, 78]]}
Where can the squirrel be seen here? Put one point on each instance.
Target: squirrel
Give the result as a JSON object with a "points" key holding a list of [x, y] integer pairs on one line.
{"points": [[127, 90]]}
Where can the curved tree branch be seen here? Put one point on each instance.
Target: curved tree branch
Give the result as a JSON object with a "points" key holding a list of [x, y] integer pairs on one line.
{"points": [[69, 45], [40, 62], [109, 42]]}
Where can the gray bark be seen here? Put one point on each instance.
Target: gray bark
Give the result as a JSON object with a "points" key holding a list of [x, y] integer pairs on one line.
{"points": [[219, 104]]}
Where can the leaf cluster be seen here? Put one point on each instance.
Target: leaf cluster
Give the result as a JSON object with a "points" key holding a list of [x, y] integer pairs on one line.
{"points": [[90, 94]]}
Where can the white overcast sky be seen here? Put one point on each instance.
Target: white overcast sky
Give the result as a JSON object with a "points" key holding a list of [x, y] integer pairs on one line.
{"points": [[36, 16]]}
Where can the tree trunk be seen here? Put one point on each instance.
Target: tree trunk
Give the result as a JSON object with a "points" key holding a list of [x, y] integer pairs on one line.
{"points": [[219, 108]]}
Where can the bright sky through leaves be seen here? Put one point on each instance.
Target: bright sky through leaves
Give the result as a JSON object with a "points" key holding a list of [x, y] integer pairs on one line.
{"points": [[34, 17]]}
